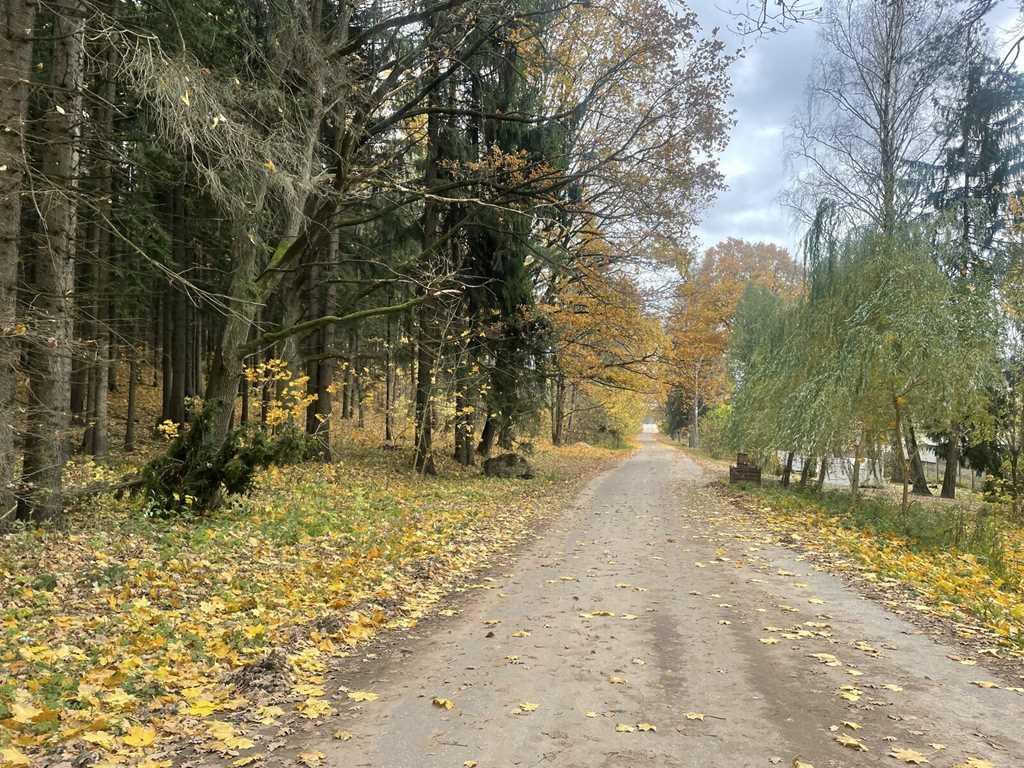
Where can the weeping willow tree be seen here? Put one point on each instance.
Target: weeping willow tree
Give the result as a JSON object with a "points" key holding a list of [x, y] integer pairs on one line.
{"points": [[881, 333]]}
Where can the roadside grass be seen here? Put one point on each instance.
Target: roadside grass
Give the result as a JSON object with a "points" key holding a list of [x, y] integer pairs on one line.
{"points": [[965, 563], [124, 636]]}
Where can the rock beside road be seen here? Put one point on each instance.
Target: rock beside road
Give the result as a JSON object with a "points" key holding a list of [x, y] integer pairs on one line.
{"points": [[509, 465]]}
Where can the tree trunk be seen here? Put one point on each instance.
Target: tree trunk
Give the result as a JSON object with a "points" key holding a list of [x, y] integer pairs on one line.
{"points": [[1015, 494], [822, 474], [787, 471], [695, 423], [96, 435], [179, 335], [166, 357], [229, 355], [902, 457], [952, 464], [463, 425], [133, 383], [15, 72], [49, 395], [558, 410], [487, 435], [389, 385], [807, 470], [423, 459], [855, 474], [916, 467]]}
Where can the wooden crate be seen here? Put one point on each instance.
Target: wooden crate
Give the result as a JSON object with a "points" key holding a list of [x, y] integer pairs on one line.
{"points": [[744, 471]]}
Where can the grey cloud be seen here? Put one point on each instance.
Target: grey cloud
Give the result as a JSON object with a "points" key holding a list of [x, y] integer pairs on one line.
{"points": [[768, 85]]}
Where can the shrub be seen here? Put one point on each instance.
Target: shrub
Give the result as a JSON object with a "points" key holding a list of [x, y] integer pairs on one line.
{"points": [[194, 476]]}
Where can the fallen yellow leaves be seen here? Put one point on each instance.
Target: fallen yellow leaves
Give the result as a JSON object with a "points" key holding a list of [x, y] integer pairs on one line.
{"points": [[851, 743], [362, 696], [443, 703], [313, 708], [950, 583], [14, 756], [910, 756], [850, 692], [695, 716], [139, 736], [121, 634], [528, 706]]}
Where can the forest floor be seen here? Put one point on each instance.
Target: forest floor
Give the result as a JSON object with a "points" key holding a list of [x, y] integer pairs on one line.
{"points": [[658, 619], [655, 622], [125, 639]]}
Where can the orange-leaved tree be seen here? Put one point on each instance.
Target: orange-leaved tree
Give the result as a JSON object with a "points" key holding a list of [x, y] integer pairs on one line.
{"points": [[700, 322]]}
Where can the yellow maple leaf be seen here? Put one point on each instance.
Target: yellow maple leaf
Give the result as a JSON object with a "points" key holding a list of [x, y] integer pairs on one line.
{"points": [[646, 727], [100, 739], [851, 743], [443, 703], [24, 713], [313, 708], [201, 708], [624, 728], [908, 756], [362, 696], [528, 706], [695, 716], [139, 736], [13, 756], [220, 730], [311, 759], [243, 761], [469, 764]]}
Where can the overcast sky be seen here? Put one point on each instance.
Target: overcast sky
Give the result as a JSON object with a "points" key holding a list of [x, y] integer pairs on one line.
{"points": [[768, 86]]}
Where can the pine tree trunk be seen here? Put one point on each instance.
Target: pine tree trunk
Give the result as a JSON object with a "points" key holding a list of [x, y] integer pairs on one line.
{"points": [[166, 356], [15, 72], [133, 384], [423, 459], [389, 384], [49, 360], [179, 334]]}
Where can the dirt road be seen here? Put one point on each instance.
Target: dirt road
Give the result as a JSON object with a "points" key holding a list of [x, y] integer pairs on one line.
{"points": [[641, 629]]}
